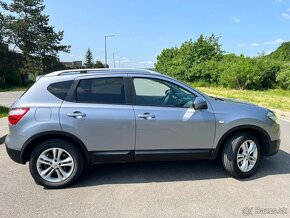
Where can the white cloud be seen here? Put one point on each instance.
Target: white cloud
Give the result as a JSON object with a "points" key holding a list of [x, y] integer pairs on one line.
{"points": [[254, 44], [278, 1], [288, 9], [286, 15], [277, 41], [236, 20], [241, 45], [76, 56]]}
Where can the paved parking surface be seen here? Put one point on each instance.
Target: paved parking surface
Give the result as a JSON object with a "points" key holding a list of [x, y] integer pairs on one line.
{"points": [[8, 98], [161, 189], [3, 128]]}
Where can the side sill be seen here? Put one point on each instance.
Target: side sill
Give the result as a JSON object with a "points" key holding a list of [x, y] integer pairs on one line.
{"points": [[167, 155], [148, 155]]}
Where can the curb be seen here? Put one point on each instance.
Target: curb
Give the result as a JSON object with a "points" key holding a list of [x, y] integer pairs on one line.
{"points": [[2, 139]]}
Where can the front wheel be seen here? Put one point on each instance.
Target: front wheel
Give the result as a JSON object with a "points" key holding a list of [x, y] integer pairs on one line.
{"points": [[55, 163], [241, 155]]}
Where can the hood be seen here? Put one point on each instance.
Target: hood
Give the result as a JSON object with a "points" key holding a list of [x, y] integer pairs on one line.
{"points": [[233, 105], [230, 100]]}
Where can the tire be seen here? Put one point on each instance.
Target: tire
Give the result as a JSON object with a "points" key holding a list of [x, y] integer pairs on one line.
{"points": [[234, 148], [56, 163]]}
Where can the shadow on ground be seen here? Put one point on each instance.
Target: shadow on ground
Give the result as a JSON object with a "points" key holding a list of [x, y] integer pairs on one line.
{"points": [[149, 172]]}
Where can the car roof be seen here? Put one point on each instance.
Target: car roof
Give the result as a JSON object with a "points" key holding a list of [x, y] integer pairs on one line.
{"points": [[86, 72]]}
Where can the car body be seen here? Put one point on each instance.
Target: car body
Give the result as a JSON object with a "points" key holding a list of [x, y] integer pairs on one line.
{"points": [[124, 115]]}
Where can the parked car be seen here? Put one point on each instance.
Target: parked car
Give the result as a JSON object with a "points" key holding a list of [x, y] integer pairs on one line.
{"points": [[71, 119]]}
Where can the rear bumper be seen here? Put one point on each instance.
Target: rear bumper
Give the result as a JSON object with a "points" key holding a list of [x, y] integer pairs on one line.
{"points": [[14, 144], [273, 148], [14, 155]]}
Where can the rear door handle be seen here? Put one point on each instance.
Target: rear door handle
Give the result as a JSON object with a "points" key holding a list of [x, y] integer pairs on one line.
{"points": [[76, 114], [146, 116]]}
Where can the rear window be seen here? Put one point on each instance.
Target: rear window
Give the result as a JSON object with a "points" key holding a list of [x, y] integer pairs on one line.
{"points": [[101, 91], [60, 89]]}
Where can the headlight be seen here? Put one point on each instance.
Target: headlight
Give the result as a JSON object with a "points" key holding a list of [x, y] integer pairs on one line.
{"points": [[271, 115]]}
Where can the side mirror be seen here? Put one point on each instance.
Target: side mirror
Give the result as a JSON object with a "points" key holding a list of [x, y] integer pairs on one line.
{"points": [[199, 103]]}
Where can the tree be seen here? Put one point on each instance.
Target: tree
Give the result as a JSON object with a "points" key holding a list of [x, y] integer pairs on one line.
{"points": [[20, 25], [99, 64], [28, 30], [2, 28], [165, 62], [182, 62], [89, 59], [48, 43]]}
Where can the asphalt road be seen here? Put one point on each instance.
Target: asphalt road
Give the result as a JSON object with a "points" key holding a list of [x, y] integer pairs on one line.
{"points": [[160, 189]]}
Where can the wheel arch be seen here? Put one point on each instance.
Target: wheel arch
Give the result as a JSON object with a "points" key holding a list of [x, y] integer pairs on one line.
{"points": [[32, 142], [260, 133]]}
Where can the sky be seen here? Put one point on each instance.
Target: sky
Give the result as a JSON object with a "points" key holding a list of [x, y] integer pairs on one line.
{"points": [[143, 28]]}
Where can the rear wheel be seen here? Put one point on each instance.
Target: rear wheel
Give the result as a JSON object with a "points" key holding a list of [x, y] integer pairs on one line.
{"points": [[241, 155], [56, 163]]}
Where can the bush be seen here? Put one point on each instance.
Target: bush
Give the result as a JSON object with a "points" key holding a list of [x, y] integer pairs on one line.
{"points": [[203, 61], [208, 72], [250, 73], [238, 74], [283, 79]]}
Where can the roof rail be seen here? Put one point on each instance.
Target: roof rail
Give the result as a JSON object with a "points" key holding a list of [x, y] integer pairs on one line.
{"points": [[98, 70]]}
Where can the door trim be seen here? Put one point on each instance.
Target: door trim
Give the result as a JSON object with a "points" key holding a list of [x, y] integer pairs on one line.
{"points": [[149, 155], [111, 156]]}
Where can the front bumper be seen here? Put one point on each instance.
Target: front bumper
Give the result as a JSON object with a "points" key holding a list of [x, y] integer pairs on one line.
{"points": [[273, 148]]}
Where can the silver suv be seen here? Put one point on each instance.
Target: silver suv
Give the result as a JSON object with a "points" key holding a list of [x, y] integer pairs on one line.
{"points": [[69, 119]]}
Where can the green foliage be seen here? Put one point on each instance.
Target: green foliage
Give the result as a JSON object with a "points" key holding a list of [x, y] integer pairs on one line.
{"points": [[208, 71], [283, 78], [165, 61], [204, 61], [27, 28], [200, 84], [3, 111], [89, 59], [282, 53], [2, 28], [249, 73], [183, 62]]}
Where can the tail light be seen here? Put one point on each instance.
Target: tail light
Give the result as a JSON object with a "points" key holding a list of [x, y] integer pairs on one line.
{"points": [[15, 115]]}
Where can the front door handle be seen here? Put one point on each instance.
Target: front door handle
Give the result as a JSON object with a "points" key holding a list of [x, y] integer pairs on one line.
{"points": [[76, 114], [146, 116]]}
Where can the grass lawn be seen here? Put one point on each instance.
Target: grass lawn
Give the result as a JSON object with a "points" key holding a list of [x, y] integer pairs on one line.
{"points": [[273, 98], [3, 111], [13, 88]]}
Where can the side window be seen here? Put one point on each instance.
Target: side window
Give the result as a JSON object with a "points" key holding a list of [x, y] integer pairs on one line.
{"points": [[60, 89], [101, 91], [155, 92]]}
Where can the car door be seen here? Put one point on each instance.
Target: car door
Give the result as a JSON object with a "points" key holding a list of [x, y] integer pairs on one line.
{"points": [[167, 126], [98, 113]]}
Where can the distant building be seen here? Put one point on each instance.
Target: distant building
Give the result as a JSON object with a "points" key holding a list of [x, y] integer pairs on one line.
{"points": [[73, 64]]}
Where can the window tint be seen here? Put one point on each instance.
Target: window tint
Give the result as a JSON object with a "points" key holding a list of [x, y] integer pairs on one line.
{"points": [[60, 89], [101, 91], [155, 92]]}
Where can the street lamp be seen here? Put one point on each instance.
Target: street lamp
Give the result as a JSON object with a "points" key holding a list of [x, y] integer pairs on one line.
{"points": [[107, 36]]}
